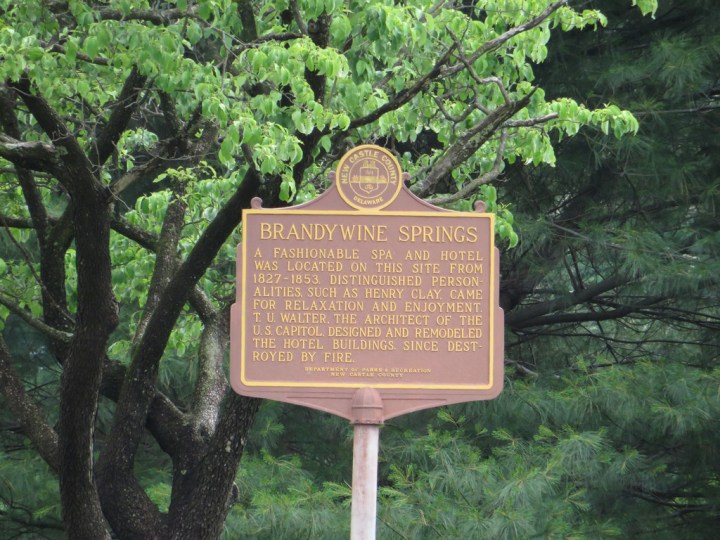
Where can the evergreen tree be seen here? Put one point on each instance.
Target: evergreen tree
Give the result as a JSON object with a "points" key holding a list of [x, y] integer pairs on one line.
{"points": [[608, 424], [177, 113]]}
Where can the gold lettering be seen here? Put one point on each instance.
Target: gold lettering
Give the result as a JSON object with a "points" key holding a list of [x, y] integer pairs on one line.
{"points": [[469, 294], [461, 256], [397, 332], [462, 346], [461, 268], [426, 346], [364, 233], [272, 356], [362, 345], [338, 356], [322, 292], [417, 255], [438, 234], [452, 281]]}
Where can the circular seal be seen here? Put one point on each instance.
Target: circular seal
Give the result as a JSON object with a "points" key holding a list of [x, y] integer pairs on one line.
{"points": [[368, 177]]}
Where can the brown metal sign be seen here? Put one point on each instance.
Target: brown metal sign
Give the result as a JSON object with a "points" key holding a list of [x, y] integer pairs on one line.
{"points": [[367, 287]]}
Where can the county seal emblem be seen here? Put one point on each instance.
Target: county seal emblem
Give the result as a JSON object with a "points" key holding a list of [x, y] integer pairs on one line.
{"points": [[368, 177]]}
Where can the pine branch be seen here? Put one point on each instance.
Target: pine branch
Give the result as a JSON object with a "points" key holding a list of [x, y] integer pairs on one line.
{"points": [[525, 317], [594, 316]]}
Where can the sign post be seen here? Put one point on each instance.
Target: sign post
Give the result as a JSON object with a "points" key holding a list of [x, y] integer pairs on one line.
{"points": [[367, 412], [367, 303]]}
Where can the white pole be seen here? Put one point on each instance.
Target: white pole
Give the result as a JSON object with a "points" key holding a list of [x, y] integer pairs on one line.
{"points": [[364, 481]]}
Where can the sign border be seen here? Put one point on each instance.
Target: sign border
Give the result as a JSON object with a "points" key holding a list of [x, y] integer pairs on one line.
{"points": [[361, 384]]}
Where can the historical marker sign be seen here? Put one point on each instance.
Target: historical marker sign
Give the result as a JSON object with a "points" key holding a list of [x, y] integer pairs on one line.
{"points": [[367, 287]]}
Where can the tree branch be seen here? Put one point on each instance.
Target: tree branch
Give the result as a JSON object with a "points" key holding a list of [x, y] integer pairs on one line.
{"points": [[211, 384], [168, 424], [467, 144], [596, 316], [12, 222], [530, 122], [36, 155], [165, 159], [51, 332], [96, 317], [404, 96], [247, 16], [207, 487], [525, 317], [26, 411], [9, 122], [165, 260], [122, 111], [140, 236], [298, 16], [471, 186], [506, 36], [98, 61], [77, 171], [198, 299], [53, 237], [154, 16], [139, 389]]}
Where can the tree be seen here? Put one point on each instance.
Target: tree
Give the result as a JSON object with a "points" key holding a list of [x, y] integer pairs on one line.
{"points": [[607, 426], [132, 135], [640, 212]]}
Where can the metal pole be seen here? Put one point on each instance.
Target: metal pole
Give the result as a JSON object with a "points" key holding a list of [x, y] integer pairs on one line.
{"points": [[364, 481], [367, 415]]}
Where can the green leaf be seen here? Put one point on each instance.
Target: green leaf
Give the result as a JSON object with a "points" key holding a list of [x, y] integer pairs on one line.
{"points": [[340, 28], [268, 165], [226, 151], [287, 189], [204, 9], [325, 142], [103, 37], [343, 122], [646, 6], [90, 46], [35, 53]]}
